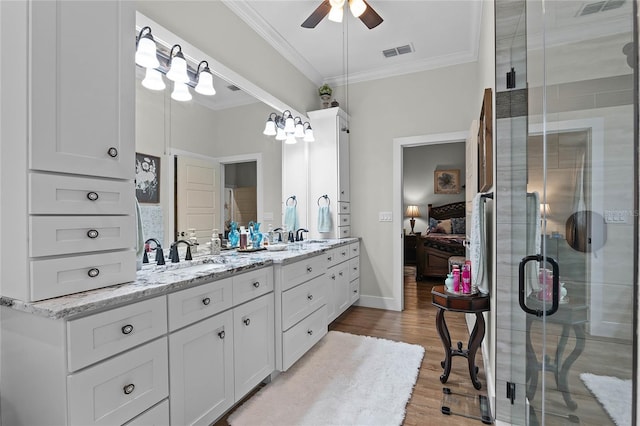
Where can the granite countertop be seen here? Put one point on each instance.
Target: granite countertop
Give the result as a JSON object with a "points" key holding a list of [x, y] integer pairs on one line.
{"points": [[158, 280]]}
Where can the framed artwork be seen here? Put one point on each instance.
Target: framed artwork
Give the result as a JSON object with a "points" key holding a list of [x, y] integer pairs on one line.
{"points": [[446, 181], [147, 178], [485, 144]]}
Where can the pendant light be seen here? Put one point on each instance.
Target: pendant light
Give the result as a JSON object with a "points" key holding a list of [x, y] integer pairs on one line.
{"points": [[178, 65], [181, 92], [153, 80], [205, 80], [146, 49]]}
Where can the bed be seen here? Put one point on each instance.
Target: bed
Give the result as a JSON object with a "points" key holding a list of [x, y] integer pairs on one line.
{"points": [[444, 238]]}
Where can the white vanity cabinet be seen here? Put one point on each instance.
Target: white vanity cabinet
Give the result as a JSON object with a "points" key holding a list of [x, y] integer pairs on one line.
{"points": [[343, 278], [68, 147], [328, 171]]}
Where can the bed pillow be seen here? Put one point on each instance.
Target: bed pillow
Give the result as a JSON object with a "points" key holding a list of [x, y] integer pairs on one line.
{"points": [[458, 225], [433, 224], [443, 227]]}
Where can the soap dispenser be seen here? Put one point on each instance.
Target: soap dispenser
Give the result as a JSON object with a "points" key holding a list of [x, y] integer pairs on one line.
{"points": [[215, 242]]}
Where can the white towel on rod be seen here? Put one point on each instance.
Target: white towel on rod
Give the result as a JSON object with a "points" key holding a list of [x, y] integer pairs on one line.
{"points": [[477, 244], [324, 219]]}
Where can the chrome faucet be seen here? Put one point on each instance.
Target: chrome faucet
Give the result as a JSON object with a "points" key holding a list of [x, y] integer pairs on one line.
{"points": [[158, 249], [299, 234], [173, 253]]}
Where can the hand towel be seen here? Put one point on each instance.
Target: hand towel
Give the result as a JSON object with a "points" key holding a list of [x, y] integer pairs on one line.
{"points": [[324, 219], [477, 245], [291, 218]]}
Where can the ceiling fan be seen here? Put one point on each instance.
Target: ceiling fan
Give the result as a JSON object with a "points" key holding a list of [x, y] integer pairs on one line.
{"points": [[335, 8]]}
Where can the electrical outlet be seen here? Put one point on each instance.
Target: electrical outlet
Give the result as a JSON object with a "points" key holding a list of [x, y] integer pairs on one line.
{"points": [[616, 216], [385, 217]]}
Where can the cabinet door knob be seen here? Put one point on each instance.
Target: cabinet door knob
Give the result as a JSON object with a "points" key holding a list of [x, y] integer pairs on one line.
{"points": [[329, 258], [246, 321], [221, 334], [340, 273], [256, 284], [127, 329], [93, 196], [333, 276], [309, 269], [113, 152], [310, 297], [355, 291], [129, 388], [309, 332], [93, 272], [93, 233], [206, 301]]}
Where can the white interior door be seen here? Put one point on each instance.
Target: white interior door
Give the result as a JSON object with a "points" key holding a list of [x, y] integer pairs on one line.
{"points": [[197, 196]]}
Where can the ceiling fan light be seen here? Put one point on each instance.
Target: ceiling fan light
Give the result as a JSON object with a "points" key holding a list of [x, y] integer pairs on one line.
{"points": [[153, 80], [181, 92], [335, 14], [357, 7]]}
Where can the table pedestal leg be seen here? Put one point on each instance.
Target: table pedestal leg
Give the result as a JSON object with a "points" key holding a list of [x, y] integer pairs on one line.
{"points": [[474, 343], [443, 331]]}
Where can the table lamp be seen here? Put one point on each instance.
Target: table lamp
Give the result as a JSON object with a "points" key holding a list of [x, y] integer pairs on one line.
{"points": [[412, 212]]}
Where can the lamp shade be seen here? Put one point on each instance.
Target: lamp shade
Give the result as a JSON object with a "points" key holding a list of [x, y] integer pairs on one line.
{"points": [[181, 92], [270, 128], [146, 50], [308, 135], [153, 80], [412, 211], [335, 14], [280, 134], [290, 140], [205, 83], [178, 70], [357, 7]]}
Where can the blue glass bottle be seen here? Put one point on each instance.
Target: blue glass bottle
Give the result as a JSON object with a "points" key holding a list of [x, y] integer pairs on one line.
{"points": [[234, 234], [257, 235]]}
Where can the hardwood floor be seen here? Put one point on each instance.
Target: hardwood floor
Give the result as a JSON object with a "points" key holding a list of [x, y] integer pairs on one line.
{"points": [[416, 324]]}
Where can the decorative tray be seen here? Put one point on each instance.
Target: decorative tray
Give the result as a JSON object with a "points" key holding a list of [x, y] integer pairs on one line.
{"points": [[459, 293]]}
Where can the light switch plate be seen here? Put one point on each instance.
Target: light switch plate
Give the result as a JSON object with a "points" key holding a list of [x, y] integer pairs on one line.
{"points": [[385, 217]]}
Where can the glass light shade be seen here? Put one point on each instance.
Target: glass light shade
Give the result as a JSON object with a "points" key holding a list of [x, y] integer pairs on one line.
{"points": [[357, 7], [412, 211], [205, 83], [181, 92], [335, 14], [178, 70], [289, 125], [299, 132], [336, 3], [290, 140], [308, 135], [153, 80], [270, 128], [146, 52], [280, 134]]}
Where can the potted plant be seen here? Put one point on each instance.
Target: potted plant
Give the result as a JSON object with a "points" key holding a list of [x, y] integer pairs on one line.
{"points": [[325, 94]]}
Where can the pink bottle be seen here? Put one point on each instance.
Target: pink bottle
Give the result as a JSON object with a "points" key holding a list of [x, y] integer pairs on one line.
{"points": [[456, 279], [466, 279]]}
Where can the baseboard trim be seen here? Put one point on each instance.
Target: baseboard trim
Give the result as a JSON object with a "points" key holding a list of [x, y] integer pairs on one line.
{"points": [[388, 303]]}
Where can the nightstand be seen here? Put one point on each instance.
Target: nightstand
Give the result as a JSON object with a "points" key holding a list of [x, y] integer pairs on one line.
{"points": [[410, 245]]}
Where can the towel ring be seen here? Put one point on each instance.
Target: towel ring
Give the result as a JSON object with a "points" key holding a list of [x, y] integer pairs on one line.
{"points": [[326, 198], [293, 198]]}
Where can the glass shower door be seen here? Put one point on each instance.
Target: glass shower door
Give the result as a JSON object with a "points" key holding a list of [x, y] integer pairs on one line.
{"points": [[566, 199]]}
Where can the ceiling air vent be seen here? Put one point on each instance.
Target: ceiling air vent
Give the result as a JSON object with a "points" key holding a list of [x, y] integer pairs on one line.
{"points": [[400, 50], [600, 6], [233, 88]]}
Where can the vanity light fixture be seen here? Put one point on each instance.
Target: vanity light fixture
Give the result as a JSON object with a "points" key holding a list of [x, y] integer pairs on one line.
{"points": [[308, 133], [299, 128], [181, 92], [205, 80], [287, 128], [146, 49], [270, 127], [177, 65], [153, 80]]}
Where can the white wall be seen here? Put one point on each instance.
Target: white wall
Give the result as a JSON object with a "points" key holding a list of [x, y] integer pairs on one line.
{"points": [[418, 165]]}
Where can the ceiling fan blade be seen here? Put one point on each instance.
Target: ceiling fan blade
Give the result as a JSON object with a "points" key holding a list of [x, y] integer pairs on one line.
{"points": [[370, 17], [317, 15]]}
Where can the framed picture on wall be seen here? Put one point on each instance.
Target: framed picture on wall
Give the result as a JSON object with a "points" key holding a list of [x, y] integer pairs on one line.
{"points": [[147, 178], [446, 181], [485, 144]]}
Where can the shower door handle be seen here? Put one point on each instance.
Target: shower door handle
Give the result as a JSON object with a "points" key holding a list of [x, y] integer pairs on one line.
{"points": [[555, 285]]}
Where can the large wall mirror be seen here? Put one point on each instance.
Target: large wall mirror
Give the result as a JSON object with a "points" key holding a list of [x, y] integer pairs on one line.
{"points": [[215, 165]]}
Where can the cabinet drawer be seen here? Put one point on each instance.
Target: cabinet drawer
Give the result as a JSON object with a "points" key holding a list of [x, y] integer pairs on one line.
{"points": [[119, 389], [300, 301], [194, 304], [299, 339], [344, 232], [99, 336], [342, 254], [354, 268], [302, 271], [343, 207], [331, 257], [156, 416], [344, 219], [354, 249], [73, 274], [250, 285], [354, 288], [53, 235], [53, 194]]}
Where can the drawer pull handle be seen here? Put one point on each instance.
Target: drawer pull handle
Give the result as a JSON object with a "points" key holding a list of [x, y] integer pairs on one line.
{"points": [[355, 268], [93, 272], [247, 321], [93, 233], [333, 276], [221, 334], [340, 273], [93, 196], [113, 152], [309, 269], [309, 332], [344, 253], [206, 301], [310, 297], [355, 291], [256, 284], [129, 388], [127, 329], [329, 258]]}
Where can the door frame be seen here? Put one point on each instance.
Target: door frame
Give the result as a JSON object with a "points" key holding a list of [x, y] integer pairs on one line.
{"points": [[397, 301]]}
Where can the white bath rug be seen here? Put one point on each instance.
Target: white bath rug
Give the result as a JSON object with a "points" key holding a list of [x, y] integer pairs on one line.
{"points": [[614, 394], [344, 380]]}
